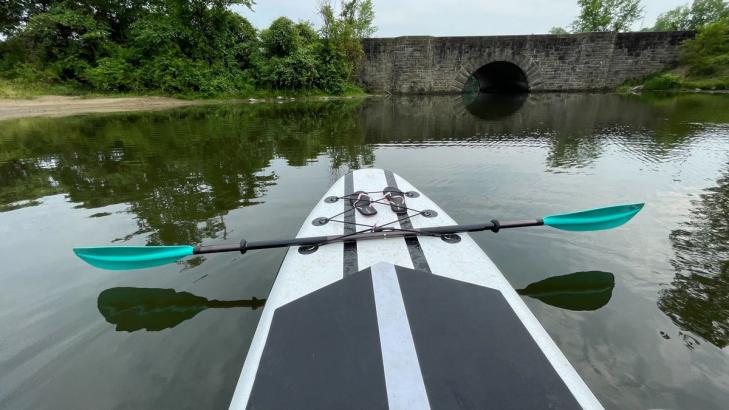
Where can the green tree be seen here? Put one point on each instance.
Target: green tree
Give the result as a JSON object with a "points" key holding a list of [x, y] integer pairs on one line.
{"points": [[607, 15], [343, 31], [281, 38], [707, 11], [678, 19], [708, 53], [558, 30], [178, 46], [692, 17]]}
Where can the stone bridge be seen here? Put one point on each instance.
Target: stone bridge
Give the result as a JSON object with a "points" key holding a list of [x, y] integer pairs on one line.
{"points": [[571, 62]]}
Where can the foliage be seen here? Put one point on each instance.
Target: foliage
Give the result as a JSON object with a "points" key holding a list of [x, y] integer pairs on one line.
{"points": [[678, 19], [662, 82], [196, 47], [607, 15], [558, 30], [693, 17], [708, 53], [704, 63], [343, 31], [281, 38]]}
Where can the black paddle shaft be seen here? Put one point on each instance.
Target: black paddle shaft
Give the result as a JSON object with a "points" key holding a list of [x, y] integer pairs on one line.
{"points": [[244, 246]]}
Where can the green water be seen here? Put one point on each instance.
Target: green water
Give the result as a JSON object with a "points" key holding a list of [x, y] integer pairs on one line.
{"points": [[74, 337]]}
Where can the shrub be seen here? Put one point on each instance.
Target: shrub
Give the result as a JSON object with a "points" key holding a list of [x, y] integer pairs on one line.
{"points": [[281, 38], [110, 74], [663, 82], [708, 53]]}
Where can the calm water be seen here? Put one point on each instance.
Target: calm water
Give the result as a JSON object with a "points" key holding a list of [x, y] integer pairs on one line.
{"points": [[70, 336]]}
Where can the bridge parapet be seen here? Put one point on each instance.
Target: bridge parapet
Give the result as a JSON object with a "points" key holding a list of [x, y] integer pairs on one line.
{"points": [[570, 62]]}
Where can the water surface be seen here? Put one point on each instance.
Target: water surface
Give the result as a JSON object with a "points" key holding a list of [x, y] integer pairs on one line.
{"points": [[217, 174]]}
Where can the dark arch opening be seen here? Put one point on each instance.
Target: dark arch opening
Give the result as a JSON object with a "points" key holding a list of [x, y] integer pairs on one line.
{"points": [[493, 107], [501, 77]]}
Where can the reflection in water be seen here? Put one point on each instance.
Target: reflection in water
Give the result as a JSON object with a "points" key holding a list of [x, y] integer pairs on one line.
{"points": [[182, 171], [574, 128], [132, 309], [491, 107], [698, 300], [576, 291], [179, 171]]}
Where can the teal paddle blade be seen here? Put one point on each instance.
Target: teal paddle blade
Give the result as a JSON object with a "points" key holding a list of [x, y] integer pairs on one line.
{"points": [[132, 257], [595, 219]]}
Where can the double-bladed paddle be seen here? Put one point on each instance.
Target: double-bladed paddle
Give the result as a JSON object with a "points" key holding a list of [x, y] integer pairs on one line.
{"points": [[139, 257]]}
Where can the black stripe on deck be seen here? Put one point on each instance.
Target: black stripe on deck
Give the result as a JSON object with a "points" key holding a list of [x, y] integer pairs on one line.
{"points": [[420, 262], [350, 247], [473, 350], [323, 352]]}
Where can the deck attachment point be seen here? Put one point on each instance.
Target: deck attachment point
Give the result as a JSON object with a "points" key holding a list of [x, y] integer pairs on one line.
{"points": [[320, 221], [308, 249], [331, 199], [412, 194], [450, 238], [429, 213]]}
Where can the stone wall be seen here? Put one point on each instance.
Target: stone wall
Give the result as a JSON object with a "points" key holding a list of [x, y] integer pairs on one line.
{"points": [[571, 62]]}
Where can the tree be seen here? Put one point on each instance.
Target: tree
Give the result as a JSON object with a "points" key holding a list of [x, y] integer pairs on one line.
{"points": [[708, 53], [607, 15], [343, 32], [693, 17], [678, 19], [707, 11], [558, 30], [281, 38]]}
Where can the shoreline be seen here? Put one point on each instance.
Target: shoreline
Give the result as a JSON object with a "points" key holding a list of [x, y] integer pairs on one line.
{"points": [[65, 106], [55, 106]]}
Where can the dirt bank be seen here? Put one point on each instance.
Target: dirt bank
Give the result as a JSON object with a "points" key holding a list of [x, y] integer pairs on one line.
{"points": [[59, 106]]}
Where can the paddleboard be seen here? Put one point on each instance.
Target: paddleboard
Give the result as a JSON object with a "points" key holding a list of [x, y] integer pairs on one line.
{"points": [[401, 323]]}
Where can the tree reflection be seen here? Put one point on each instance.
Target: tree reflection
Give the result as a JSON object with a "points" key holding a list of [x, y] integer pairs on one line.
{"points": [[179, 171], [698, 300]]}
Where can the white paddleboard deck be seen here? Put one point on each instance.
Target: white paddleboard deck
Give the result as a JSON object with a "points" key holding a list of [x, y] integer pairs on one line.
{"points": [[398, 322]]}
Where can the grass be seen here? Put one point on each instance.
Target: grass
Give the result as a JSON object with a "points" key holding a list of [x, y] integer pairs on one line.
{"points": [[19, 89], [679, 79]]}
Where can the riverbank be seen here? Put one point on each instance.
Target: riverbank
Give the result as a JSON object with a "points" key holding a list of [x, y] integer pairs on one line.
{"points": [[680, 80], [63, 106], [60, 106]]}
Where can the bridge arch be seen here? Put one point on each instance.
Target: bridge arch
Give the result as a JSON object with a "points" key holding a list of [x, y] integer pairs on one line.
{"points": [[518, 73], [501, 77]]}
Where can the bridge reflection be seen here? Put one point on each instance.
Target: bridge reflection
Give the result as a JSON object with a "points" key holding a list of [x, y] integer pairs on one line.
{"points": [[491, 107]]}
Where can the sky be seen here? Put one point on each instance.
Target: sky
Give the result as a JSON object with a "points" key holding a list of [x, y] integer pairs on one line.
{"points": [[451, 18]]}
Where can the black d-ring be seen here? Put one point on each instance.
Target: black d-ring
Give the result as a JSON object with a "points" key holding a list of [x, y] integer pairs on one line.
{"points": [[308, 249], [320, 221], [429, 213], [450, 238]]}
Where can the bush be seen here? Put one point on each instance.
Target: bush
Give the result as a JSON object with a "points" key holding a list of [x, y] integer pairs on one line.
{"points": [[179, 47], [663, 82], [281, 39], [296, 71], [111, 74], [708, 53]]}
